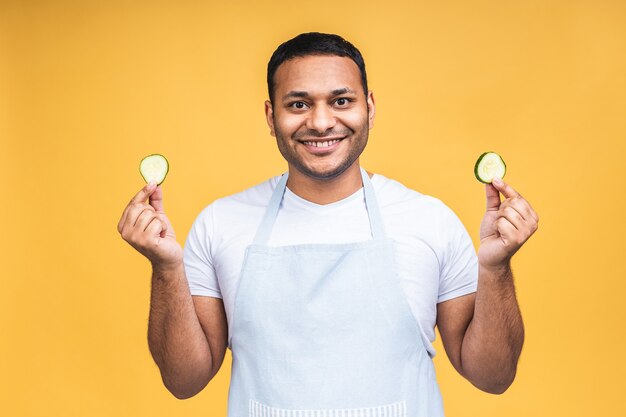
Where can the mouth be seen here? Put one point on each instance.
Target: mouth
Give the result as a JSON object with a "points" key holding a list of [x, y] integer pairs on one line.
{"points": [[324, 144], [321, 144]]}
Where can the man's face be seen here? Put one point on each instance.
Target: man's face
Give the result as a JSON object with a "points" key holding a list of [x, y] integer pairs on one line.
{"points": [[320, 116]]}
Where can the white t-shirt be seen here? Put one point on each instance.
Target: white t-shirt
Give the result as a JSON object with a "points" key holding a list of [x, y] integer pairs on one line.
{"points": [[435, 257]]}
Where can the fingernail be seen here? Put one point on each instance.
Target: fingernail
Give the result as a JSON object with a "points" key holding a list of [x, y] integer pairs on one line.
{"points": [[151, 184], [497, 181]]}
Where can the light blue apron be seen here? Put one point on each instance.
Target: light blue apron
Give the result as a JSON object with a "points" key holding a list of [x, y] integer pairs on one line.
{"points": [[324, 330]]}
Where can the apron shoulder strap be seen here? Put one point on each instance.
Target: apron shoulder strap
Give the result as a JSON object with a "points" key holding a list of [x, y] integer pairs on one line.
{"points": [[267, 223], [373, 210]]}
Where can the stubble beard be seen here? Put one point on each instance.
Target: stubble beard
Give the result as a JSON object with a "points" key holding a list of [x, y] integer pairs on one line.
{"points": [[294, 160]]}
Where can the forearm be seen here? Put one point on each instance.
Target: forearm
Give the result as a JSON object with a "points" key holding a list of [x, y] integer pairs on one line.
{"points": [[493, 341], [175, 337]]}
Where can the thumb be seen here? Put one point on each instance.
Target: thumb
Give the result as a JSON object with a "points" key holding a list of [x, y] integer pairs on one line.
{"points": [[493, 197], [156, 199]]}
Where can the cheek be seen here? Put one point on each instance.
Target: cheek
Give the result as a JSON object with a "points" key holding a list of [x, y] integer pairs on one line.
{"points": [[355, 120], [287, 125]]}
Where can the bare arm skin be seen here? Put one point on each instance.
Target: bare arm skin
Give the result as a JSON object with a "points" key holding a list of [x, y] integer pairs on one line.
{"points": [[187, 335], [483, 333]]}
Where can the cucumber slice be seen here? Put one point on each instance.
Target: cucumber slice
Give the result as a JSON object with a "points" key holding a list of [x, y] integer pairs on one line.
{"points": [[154, 168], [488, 166]]}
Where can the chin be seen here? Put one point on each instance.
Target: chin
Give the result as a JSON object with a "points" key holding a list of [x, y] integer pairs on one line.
{"points": [[327, 173]]}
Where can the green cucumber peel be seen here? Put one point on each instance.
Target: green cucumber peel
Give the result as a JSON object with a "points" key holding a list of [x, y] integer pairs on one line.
{"points": [[154, 168], [489, 166]]}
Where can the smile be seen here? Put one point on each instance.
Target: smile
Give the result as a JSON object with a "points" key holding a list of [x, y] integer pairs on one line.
{"points": [[322, 144]]}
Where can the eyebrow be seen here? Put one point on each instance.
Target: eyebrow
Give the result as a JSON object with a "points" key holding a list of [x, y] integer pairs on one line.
{"points": [[341, 91], [304, 94], [298, 94]]}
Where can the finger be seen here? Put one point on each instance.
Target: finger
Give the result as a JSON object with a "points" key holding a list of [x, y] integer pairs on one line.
{"points": [[120, 224], [135, 212], [506, 190], [531, 211], [156, 199], [164, 223], [493, 197], [506, 229], [138, 198], [513, 217], [523, 208], [144, 193], [144, 219], [155, 227], [534, 214]]}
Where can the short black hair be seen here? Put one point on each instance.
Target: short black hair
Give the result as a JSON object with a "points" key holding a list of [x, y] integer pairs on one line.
{"points": [[314, 43]]}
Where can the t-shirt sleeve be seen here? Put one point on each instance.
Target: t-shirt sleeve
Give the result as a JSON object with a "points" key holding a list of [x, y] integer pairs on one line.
{"points": [[459, 269], [197, 257]]}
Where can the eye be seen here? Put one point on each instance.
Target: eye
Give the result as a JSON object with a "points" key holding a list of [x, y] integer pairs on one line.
{"points": [[342, 101], [299, 105]]}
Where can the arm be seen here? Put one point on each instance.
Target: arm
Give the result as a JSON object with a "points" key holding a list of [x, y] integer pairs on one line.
{"points": [[483, 332], [186, 336]]}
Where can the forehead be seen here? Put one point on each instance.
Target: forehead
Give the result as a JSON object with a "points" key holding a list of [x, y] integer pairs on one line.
{"points": [[317, 74]]}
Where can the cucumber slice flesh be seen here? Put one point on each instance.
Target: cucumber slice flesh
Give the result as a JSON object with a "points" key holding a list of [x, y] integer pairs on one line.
{"points": [[488, 166], [154, 168]]}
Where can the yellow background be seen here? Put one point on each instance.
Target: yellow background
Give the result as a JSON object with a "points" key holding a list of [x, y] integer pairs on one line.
{"points": [[87, 88]]}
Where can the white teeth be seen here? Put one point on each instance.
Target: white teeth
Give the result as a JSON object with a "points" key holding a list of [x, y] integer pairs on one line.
{"points": [[324, 144]]}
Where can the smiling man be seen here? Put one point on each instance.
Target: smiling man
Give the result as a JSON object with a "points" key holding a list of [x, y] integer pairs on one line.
{"points": [[317, 105], [327, 282]]}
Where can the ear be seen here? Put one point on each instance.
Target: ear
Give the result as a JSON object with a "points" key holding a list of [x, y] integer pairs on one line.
{"points": [[371, 108], [269, 116]]}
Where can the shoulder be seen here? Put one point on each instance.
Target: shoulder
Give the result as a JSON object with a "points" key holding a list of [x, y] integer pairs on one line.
{"points": [[394, 196], [235, 216], [239, 203], [411, 216]]}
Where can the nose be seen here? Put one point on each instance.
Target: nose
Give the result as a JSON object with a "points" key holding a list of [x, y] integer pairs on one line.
{"points": [[321, 119]]}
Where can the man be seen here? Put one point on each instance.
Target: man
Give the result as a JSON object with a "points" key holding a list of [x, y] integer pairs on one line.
{"points": [[327, 282]]}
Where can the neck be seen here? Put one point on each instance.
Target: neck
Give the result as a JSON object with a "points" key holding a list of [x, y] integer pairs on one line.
{"points": [[326, 191]]}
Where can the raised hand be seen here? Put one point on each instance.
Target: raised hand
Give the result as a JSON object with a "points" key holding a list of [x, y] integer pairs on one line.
{"points": [[146, 228], [507, 224]]}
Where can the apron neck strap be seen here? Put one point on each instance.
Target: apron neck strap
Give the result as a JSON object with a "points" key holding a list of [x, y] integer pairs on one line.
{"points": [[271, 213]]}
